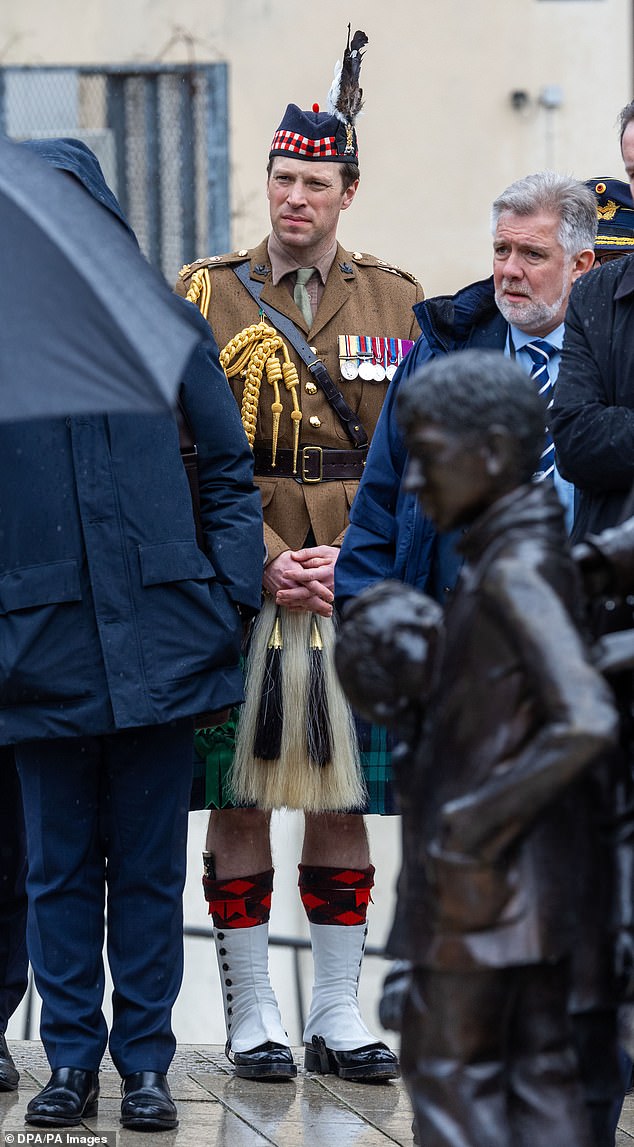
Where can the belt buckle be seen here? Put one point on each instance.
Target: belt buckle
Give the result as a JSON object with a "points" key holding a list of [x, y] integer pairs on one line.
{"points": [[305, 457]]}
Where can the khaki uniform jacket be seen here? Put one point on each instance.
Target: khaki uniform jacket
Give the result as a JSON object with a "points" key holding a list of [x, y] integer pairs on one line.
{"points": [[362, 296]]}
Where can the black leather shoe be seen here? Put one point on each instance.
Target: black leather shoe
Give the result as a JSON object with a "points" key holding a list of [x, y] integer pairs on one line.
{"points": [[269, 1060], [9, 1074], [373, 1063], [147, 1104], [69, 1096]]}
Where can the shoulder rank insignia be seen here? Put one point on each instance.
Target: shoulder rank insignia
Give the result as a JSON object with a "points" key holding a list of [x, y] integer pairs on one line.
{"points": [[212, 261], [392, 269], [362, 259]]}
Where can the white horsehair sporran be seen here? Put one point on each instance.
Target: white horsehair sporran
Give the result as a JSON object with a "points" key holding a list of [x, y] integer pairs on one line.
{"points": [[296, 774]]}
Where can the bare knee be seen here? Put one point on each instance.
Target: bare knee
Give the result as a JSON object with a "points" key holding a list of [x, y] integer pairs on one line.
{"points": [[240, 841], [332, 839]]}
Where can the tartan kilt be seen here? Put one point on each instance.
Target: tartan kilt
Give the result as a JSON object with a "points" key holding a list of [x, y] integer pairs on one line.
{"points": [[375, 748], [213, 757]]}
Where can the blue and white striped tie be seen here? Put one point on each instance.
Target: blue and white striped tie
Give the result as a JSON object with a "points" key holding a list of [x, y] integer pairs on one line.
{"points": [[540, 352]]}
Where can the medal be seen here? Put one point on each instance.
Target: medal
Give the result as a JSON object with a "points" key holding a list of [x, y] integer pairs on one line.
{"points": [[348, 362], [392, 366], [378, 347], [366, 369], [374, 359]]}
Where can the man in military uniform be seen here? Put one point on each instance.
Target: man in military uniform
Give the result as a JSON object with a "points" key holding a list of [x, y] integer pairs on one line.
{"points": [[355, 312]]}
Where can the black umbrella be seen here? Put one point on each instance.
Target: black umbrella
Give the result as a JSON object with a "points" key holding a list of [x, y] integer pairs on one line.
{"points": [[86, 325]]}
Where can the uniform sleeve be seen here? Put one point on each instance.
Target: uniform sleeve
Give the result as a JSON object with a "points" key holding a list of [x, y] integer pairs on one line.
{"points": [[575, 717], [230, 503], [275, 545], [415, 330], [594, 438]]}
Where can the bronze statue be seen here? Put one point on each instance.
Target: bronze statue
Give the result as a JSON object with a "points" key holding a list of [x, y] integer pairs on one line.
{"points": [[504, 718]]}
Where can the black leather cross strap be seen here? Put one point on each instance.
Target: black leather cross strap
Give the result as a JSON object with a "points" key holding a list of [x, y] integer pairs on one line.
{"points": [[287, 328]]}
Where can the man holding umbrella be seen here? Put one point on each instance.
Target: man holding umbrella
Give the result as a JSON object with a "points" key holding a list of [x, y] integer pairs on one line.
{"points": [[117, 630]]}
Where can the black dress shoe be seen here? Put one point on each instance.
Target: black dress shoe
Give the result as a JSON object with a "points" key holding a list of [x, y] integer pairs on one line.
{"points": [[69, 1096], [373, 1063], [9, 1074], [147, 1104], [272, 1061]]}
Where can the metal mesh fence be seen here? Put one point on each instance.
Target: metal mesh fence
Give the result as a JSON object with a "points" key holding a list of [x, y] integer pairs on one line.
{"points": [[160, 134]]}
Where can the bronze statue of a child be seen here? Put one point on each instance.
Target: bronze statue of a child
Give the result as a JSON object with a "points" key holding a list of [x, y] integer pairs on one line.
{"points": [[513, 715]]}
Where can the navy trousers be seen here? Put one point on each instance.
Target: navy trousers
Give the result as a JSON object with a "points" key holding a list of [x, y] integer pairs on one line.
{"points": [[14, 963], [106, 823]]}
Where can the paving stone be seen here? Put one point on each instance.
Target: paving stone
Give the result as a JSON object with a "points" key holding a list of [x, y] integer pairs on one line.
{"points": [[217, 1108]]}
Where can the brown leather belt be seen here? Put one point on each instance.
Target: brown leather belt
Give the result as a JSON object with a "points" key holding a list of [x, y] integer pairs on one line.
{"points": [[314, 464]]}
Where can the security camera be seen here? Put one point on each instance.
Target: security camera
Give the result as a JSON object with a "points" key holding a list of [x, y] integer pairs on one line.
{"points": [[551, 97], [519, 100]]}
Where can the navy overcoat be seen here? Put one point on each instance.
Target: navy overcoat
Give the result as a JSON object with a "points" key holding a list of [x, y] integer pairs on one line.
{"points": [[111, 616]]}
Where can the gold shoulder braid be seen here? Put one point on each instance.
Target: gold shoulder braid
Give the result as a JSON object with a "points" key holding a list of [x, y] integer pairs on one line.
{"points": [[250, 353], [199, 291]]}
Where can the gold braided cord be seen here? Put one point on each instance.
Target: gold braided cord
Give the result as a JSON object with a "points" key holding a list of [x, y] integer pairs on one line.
{"points": [[241, 345], [291, 382], [200, 290], [274, 377], [250, 353], [251, 391], [237, 358]]}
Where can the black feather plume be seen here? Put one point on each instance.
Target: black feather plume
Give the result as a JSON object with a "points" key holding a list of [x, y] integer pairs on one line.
{"points": [[345, 98]]}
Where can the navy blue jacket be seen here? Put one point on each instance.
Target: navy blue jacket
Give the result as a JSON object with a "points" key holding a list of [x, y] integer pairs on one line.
{"points": [[110, 614], [389, 536]]}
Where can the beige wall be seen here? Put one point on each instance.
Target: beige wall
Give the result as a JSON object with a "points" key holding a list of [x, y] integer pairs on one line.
{"points": [[439, 137]]}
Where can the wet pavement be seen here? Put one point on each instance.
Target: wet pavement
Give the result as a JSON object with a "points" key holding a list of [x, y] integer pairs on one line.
{"points": [[215, 1108], [625, 1133]]}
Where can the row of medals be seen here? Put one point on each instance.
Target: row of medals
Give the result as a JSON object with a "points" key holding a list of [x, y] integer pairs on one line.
{"points": [[372, 359]]}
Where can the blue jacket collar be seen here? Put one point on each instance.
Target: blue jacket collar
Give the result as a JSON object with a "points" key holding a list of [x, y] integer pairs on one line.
{"points": [[449, 321]]}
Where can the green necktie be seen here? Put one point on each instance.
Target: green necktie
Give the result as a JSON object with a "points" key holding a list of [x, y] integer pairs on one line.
{"points": [[301, 296]]}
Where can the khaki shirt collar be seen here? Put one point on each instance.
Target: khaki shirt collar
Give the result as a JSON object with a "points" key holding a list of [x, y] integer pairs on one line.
{"points": [[283, 264]]}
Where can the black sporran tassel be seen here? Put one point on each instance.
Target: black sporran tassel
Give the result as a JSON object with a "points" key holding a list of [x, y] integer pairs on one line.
{"points": [[318, 724], [267, 743]]}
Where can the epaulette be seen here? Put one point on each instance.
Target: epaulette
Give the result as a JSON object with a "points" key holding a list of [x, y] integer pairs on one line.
{"points": [[213, 261], [362, 259]]}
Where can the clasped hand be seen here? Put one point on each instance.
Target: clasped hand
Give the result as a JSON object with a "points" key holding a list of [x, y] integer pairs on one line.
{"points": [[303, 579]]}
